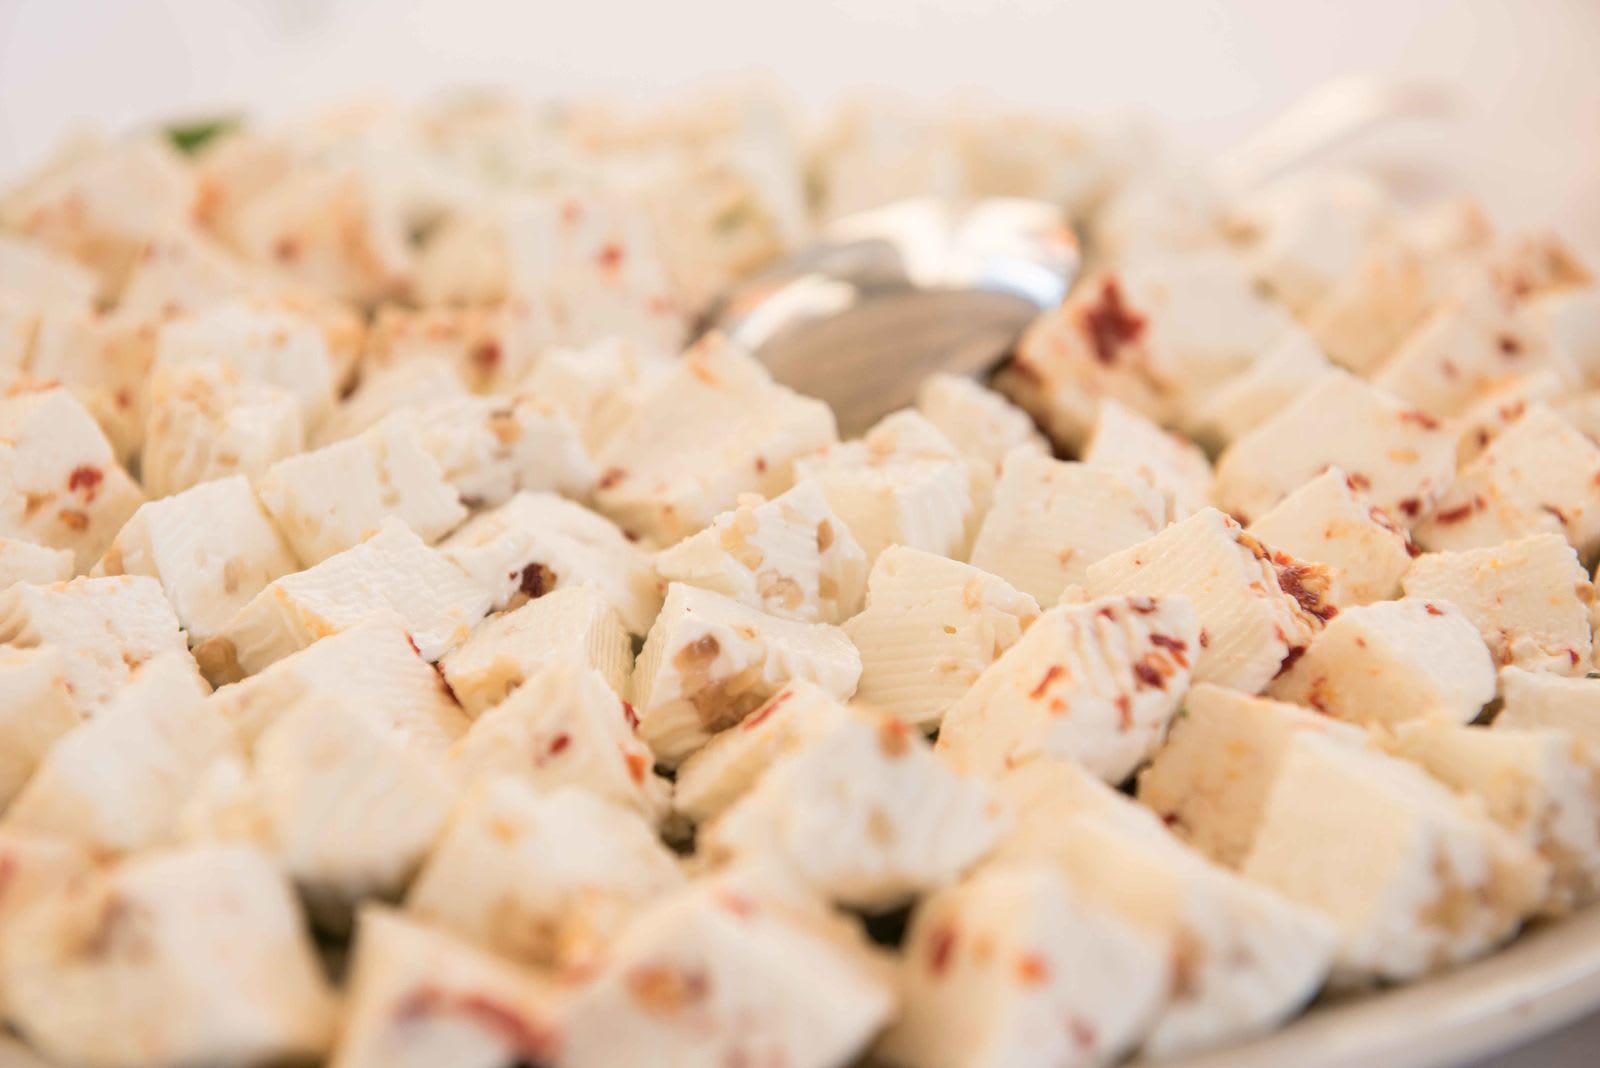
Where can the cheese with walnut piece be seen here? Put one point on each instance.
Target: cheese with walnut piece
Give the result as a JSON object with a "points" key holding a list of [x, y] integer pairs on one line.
{"points": [[490, 448], [791, 557], [36, 709], [203, 422], [709, 661], [38, 565], [1329, 521], [1255, 606], [930, 627], [1126, 442]]}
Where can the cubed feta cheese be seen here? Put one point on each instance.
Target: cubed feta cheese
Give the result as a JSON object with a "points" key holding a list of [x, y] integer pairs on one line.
{"points": [[262, 343], [1504, 404], [1533, 699], [203, 422], [38, 868], [39, 565], [601, 387], [978, 421], [1569, 320], [37, 275], [1131, 444], [491, 448], [1247, 400], [36, 708], [480, 343], [382, 390], [1329, 521]]}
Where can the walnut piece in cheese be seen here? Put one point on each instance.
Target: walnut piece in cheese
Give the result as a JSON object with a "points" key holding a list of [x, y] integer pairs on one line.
{"points": [[709, 661], [1244, 402], [37, 565], [1256, 606], [212, 548], [1534, 699], [543, 879], [790, 557], [1127, 442], [574, 625], [201, 952], [1329, 521], [491, 448], [36, 709], [60, 484], [1402, 459], [979, 422], [1014, 966], [1096, 682], [1530, 599], [204, 422], [424, 380], [930, 628], [715, 427]]}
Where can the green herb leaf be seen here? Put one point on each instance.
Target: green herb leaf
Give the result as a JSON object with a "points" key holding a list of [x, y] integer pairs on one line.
{"points": [[191, 137]]}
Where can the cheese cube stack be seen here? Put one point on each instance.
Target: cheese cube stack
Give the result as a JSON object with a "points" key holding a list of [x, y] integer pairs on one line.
{"points": [[36, 709], [931, 626], [490, 448], [1534, 699], [709, 661], [1132, 445], [37, 565], [203, 422], [1330, 521]]}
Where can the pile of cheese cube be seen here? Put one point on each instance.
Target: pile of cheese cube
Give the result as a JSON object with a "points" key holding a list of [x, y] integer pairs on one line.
{"points": [[415, 651]]}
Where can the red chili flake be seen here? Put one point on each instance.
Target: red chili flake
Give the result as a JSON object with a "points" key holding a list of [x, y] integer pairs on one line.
{"points": [[1058, 707], [124, 398], [1148, 674], [609, 257], [737, 904], [1032, 970], [537, 580], [571, 212], [761, 465], [1449, 368], [1124, 712], [630, 715], [1432, 609], [637, 766], [449, 691], [1572, 654], [1205, 638], [1410, 506], [894, 737], [85, 479], [286, 249], [1082, 1031], [526, 1039], [413, 643], [1141, 604], [1176, 646], [1169, 818], [1413, 550], [1107, 612], [1292, 579], [1109, 323], [486, 355], [1359, 481], [1457, 514], [941, 947], [610, 477], [1051, 674], [559, 744], [1509, 345], [1561, 517], [1422, 419], [767, 709], [1289, 659]]}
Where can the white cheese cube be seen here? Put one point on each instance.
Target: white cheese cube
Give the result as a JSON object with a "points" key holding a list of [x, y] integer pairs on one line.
{"points": [[791, 557], [1539, 475], [1134, 446], [201, 953], [931, 626], [116, 784], [538, 542], [722, 971], [709, 661], [1050, 520], [1529, 599], [491, 448], [1436, 882], [979, 422], [19, 321], [38, 868], [39, 565], [1569, 319], [1247, 400], [1256, 607], [382, 390], [600, 387], [716, 427], [479, 343], [392, 571], [1096, 682], [103, 360], [865, 814], [540, 878], [330, 499], [212, 547], [34, 273], [60, 485], [105, 627], [1329, 521], [1534, 699], [1506, 403], [1393, 661], [1013, 966], [574, 625], [36, 708], [262, 343], [202, 422], [565, 726], [1401, 458]]}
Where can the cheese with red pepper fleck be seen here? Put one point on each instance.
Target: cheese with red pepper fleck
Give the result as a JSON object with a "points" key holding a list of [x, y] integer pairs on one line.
{"points": [[36, 710], [1126, 442], [1329, 521], [203, 422], [485, 345], [493, 447], [1505, 403]]}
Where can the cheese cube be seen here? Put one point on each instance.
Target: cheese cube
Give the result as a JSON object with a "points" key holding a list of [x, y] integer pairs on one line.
{"points": [[491, 448], [105, 627], [538, 542], [201, 953], [1529, 599], [331, 499], [1247, 400], [60, 485], [1436, 883], [1256, 607], [1050, 520], [716, 427], [204, 422], [574, 625], [1096, 682], [212, 547], [1210, 782], [103, 360], [1013, 966], [35, 274], [420, 998], [115, 784], [1128, 443], [19, 321], [1569, 320], [791, 557], [1393, 661], [601, 387], [38, 565], [540, 878], [39, 868], [1329, 521], [424, 380], [729, 969], [479, 343], [931, 626], [979, 422], [1506, 403], [1539, 475], [565, 726], [392, 571], [865, 815], [36, 708], [1534, 699], [730, 764], [262, 343], [709, 661]]}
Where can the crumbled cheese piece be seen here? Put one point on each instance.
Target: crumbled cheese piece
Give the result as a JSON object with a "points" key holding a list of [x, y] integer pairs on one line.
{"points": [[1292, 364], [717, 426], [36, 708], [1255, 606], [332, 498], [424, 380], [491, 448], [1401, 458], [60, 485], [1014, 966], [1127, 442], [709, 661], [565, 726], [1393, 661], [261, 343], [979, 422], [392, 571], [539, 542], [790, 557], [201, 953], [203, 422], [39, 565], [106, 627], [601, 387], [1096, 682], [1529, 598], [1329, 521], [930, 627], [574, 625], [540, 878], [1534, 699]]}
